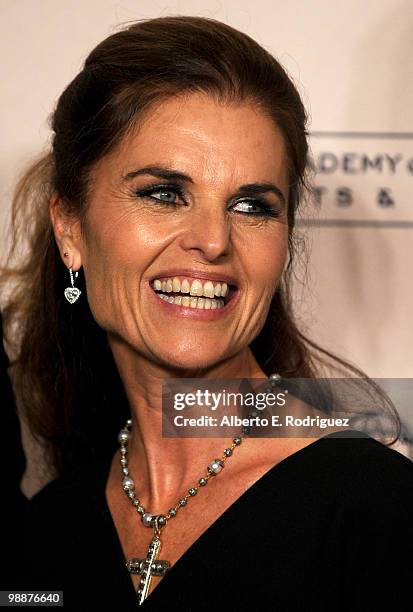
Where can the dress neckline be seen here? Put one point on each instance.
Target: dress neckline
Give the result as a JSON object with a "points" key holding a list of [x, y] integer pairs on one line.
{"points": [[258, 488]]}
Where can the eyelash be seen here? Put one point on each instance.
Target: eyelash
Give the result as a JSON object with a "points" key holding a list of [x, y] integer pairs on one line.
{"points": [[147, 192]]}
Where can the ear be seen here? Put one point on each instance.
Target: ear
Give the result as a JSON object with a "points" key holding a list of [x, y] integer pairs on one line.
{"points": [[67, 233]]}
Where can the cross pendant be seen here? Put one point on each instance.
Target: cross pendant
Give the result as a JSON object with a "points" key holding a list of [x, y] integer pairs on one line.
{"points": [[148, 567]]}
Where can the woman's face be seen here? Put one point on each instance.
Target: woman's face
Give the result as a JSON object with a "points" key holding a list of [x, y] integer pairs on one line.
{"points": [[146, 225]]}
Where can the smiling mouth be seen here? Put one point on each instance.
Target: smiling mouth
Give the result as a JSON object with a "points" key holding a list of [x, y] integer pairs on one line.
{"points": [[203, 295]]}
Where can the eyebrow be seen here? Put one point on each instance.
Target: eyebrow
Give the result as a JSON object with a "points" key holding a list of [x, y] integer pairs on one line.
{"points": [[175, 175]]}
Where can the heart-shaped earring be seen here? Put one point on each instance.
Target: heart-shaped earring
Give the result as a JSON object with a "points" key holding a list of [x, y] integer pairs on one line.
{"points": [[72, 293]]}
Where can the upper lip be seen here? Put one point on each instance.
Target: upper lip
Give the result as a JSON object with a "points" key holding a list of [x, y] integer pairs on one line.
{"points": [[213, 276]]}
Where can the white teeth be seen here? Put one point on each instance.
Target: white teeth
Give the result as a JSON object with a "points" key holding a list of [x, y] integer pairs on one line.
{"points": [[184, 286], [209, 289], [196, 288], [193, 302]]}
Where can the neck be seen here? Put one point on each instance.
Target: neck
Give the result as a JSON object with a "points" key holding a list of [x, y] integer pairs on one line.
{"points": [[164, 468]]}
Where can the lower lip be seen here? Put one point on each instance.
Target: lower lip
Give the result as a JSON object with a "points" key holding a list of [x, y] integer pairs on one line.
{"points": [[195, 313]]}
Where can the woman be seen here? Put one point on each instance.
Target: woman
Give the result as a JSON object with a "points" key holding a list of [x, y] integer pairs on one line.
{"points": [[178, 164]]}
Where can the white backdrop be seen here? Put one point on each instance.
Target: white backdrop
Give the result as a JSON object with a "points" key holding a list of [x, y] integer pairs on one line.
{"points": [[352, 62]]}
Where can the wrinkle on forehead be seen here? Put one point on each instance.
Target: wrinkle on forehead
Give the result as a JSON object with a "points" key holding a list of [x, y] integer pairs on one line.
{"points": [[209, 140]]}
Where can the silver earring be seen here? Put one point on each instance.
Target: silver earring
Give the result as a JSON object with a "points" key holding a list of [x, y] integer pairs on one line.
{"points": [[72, 293]]}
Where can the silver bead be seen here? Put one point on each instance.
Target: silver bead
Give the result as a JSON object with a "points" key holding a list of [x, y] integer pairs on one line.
{"points": [[274, 380], [182, 502], [172, 512], [128, 483], [228, 452], [237, 440], [140, 510], [124, 462], [192, 491], [147, 519], [125, 471], [202, 481], [123, 436], [131, 494], [215, 466], [136, 502], [129, 422], [274, 377]]}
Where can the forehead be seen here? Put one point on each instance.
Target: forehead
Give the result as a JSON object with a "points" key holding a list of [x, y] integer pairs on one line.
{"points": [[211, 140]]}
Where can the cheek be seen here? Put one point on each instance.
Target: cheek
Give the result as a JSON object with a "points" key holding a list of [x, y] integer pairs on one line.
{"points": [[117, 252], [123, 242], [267, 258]]}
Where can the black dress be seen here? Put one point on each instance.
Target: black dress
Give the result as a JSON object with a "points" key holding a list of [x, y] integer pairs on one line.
{"points": [[328, 528], [13, 464]]}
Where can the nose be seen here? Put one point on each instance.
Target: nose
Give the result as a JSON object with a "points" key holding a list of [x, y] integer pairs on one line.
{"points": [[207, 233]]}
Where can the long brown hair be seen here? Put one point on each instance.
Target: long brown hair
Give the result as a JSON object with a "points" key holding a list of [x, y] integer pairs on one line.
{"points": [[65, 378]]}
